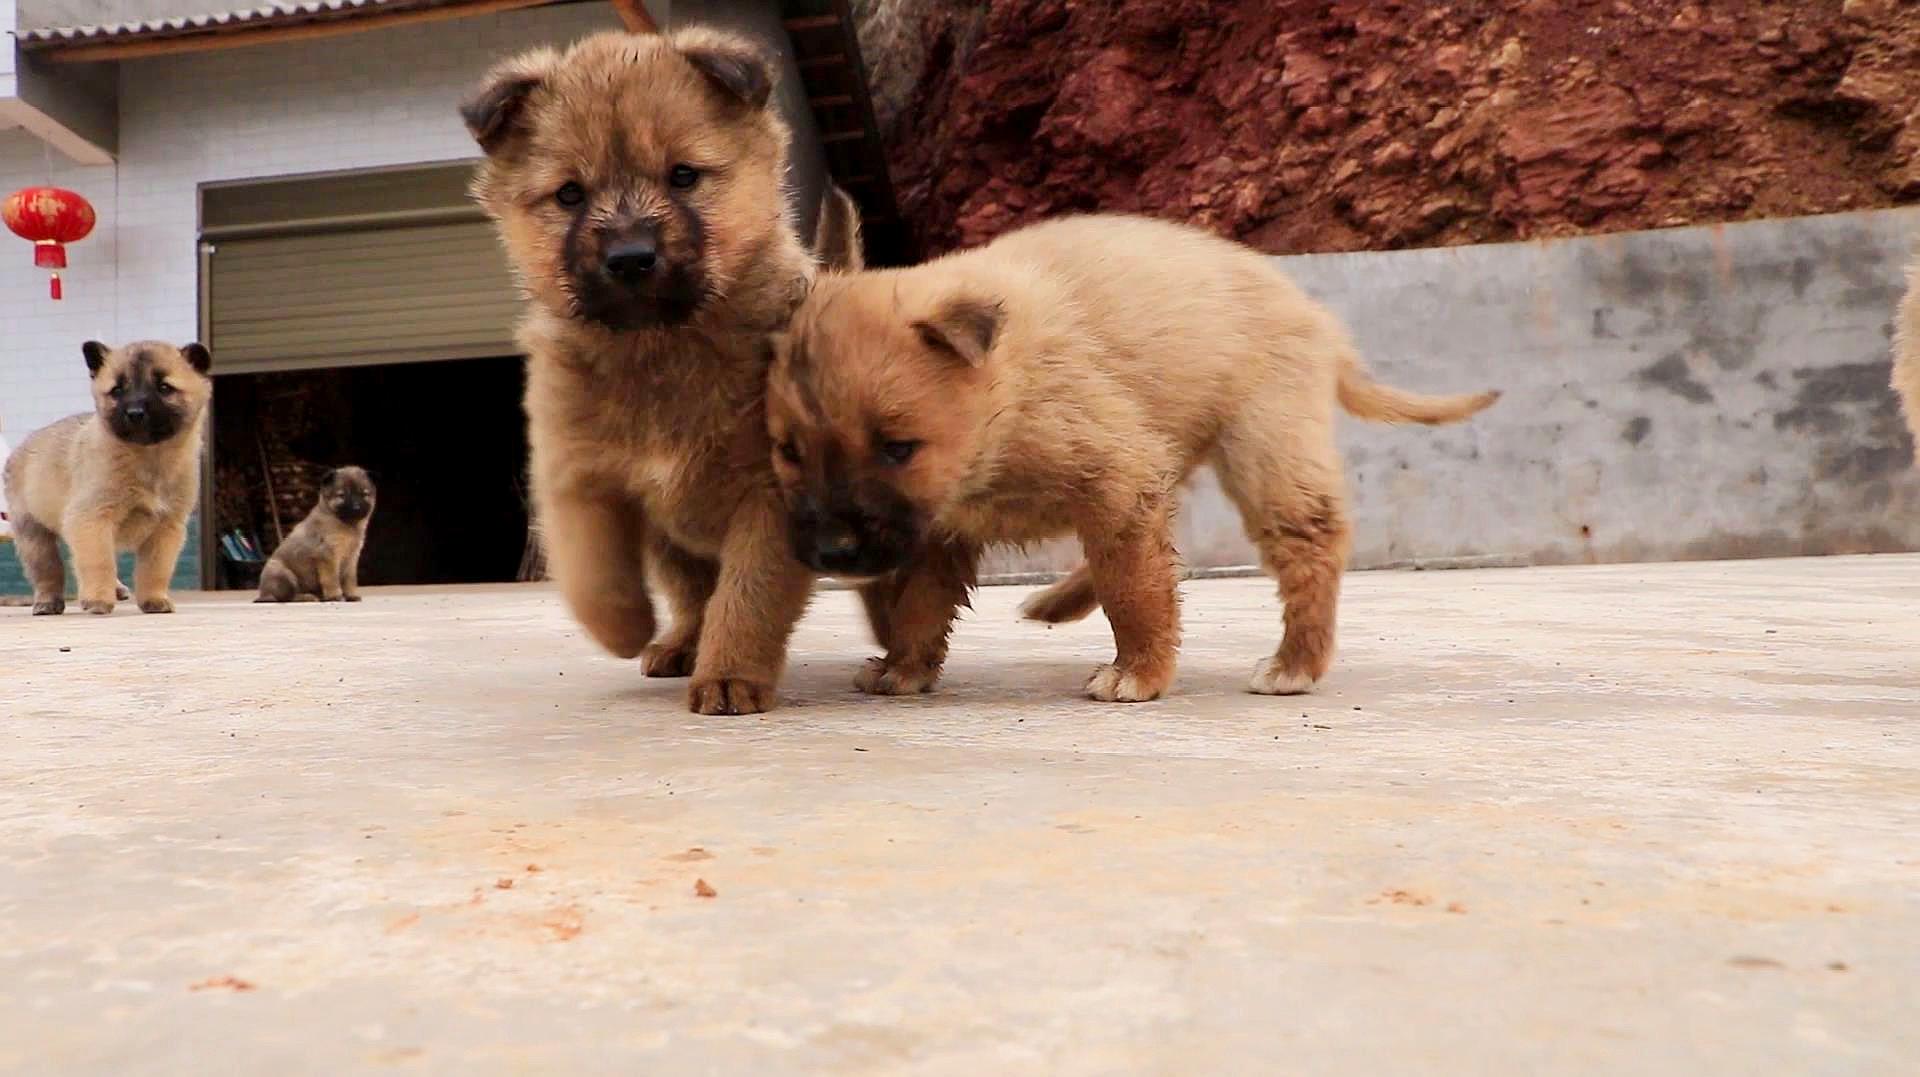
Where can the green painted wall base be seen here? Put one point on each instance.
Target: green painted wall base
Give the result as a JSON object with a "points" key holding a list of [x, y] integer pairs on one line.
{"points": [[186, 572]]}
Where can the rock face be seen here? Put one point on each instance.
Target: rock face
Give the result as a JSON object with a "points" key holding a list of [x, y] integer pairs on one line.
{"points": [[1359, 124]]}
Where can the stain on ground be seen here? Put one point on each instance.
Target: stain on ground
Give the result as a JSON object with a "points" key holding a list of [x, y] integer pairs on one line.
{"points": [[564, 923], [1636, 430]]}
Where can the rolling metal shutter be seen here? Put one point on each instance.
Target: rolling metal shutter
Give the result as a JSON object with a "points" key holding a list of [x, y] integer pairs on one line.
{"points": [[423, 281]]}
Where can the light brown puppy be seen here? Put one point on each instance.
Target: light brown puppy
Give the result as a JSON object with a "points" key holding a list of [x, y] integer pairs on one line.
{"points": [[125, 477], [1906, 350], [320, 560], [636, 181], [1065, 379]]}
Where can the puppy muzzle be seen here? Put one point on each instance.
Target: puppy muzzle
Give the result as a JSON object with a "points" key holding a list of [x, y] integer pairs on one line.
{"points": [[847, 544]]}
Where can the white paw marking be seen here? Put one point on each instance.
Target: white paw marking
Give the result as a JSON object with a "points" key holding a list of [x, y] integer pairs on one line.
{"points": [[1270, 680], [1109, 685], [877, 678]]}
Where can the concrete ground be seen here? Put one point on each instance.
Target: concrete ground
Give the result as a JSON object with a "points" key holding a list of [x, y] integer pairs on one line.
{"points": [[1648, 819]]}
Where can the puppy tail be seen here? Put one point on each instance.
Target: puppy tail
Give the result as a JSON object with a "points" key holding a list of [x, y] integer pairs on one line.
{"points": [[836, 239], [1069, 599], [1365, 398], [1906, 350]]}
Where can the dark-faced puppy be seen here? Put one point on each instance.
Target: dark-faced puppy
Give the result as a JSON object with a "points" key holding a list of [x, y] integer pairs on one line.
{"points": [[637, 183], [1065, 379], [636, 180], [320, 559], [126, 476]]}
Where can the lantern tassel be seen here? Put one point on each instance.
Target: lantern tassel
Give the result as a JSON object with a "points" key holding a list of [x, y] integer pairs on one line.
{"points": [[55, 286]]}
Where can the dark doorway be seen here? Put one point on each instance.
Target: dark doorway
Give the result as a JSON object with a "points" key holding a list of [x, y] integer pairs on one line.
{"points": [[445, 443]]}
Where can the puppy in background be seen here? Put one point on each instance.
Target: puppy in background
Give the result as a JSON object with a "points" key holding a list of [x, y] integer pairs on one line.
{"points": [[636, 183], [1065, 379], [125, 477], [320, 560]]}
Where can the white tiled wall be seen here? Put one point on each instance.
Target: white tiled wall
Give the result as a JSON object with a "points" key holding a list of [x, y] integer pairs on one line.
{"points": [[364, 100]]}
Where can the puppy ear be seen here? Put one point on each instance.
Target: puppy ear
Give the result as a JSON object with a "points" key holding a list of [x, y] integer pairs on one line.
{"points": [[96, 354], [964, 327], [197, 356], [493, 115], [739, 70]]}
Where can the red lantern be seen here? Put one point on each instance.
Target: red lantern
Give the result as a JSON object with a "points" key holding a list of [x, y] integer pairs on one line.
{"points": [[49, 218]]}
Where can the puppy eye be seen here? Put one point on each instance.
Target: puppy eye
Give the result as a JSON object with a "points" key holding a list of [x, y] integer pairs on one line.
{"points": [[570, 194], [166, 388], [683, 176], [899, 452], [117, 390], [790, 452]]}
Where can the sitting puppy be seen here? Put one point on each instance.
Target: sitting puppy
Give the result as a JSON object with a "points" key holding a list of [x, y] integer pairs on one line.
{"points": [[320, 560], [1066, 378], [125, 476]]}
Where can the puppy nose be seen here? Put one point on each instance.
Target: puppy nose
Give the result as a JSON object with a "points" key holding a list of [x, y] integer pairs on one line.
{"points": [[631, 261], [135, 412], [835, 544]]}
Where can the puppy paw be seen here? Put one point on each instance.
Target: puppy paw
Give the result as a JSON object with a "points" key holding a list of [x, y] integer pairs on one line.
{"points": [[306, 598], [669, 659], [350, 598], [120, 592], [1270, 678], [51, 607], [102, 606], [879, 679], [729, 695], [1110, 684], [162, 604], [624, 631], [330, 598]]}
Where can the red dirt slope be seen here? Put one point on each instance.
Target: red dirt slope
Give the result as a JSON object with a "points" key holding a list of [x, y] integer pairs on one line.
{"points": [[1356, 124]]}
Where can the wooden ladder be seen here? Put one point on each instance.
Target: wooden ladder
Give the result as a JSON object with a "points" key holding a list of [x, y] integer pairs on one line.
{"points": [[827, 51]]}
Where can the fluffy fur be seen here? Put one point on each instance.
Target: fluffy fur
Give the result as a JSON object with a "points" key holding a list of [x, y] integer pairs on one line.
{"points": [[636, 182], [1906, 350], [1065, 379], [125, 477], [320, 560]]}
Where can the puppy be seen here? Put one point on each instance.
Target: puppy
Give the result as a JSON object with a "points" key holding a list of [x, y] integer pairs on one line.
{"points": [[636, 182], [1906, 350], [320, 560], [126, 477], [1065, 379]]}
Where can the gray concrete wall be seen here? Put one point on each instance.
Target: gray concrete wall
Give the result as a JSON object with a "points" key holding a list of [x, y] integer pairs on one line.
{"points": [[77, 113], [1680, 394]]}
